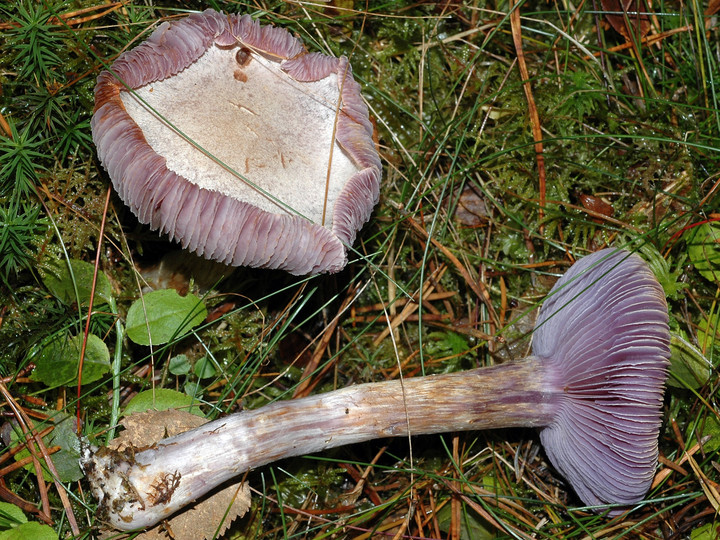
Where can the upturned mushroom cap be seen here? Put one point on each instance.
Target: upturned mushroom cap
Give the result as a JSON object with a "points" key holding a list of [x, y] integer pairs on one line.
{"points": [[239, 143], [604, 334]]}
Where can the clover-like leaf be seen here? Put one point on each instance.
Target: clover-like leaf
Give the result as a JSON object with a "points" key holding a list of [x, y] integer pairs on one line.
{"points": [[67, 459]]}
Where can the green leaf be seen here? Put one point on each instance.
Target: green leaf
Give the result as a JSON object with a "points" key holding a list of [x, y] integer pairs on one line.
{"points": [[162, 399], [193, 389], [61, 282], [169, 316], [58, 361], [711, 426], [32, 530], [708, 337], [471, 525], [10, 516], [448, 345], [688, 367], [709, 531], [204, 368], [66, 459], [179, 365], [669, 279], [704, 250]]}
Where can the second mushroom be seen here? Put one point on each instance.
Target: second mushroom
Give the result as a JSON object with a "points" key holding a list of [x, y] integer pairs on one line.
{"points": [[593, 386]]}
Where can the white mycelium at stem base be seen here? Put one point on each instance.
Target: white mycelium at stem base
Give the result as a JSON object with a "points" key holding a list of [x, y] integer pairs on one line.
{"points": [[594, 385]]}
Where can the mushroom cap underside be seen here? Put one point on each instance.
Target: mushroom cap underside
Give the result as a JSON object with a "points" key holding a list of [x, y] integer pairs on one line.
{"points": [[604, 334], [239, 144]]}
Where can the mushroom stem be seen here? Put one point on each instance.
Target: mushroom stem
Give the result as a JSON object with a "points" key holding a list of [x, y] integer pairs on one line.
{"points": [[594, 385], [158, 481]]}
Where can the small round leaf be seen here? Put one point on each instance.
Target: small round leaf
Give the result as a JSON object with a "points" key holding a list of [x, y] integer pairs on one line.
{"points": [[179, 365], [162, 316], [59, 360], [162, 399], [204, 368], [65, 278]]}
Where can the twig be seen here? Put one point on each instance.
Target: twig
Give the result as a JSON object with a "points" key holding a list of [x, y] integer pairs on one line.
{"points": [[305, 386], [532, 108], [477, 286], [28, 429], [86, 333], [407, 310]]}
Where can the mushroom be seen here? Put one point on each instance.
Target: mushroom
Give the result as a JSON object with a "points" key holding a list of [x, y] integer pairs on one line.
{"points": [[234, 140], [593, 384]]}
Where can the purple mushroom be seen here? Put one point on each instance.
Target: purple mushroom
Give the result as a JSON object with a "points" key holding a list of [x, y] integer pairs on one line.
{"points": [[234, 140], [593, 385]]}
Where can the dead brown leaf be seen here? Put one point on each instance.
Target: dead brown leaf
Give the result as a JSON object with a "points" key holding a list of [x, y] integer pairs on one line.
{"points": [[633, 23], [199, 521], [471, 209], [712, 9]]}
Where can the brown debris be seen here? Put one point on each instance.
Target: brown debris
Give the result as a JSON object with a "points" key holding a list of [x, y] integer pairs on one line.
{"points": [[201, 520], [471, 210], [633, 23]]}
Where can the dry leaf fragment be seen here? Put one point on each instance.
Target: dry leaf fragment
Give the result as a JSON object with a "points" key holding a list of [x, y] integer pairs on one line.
{"points": [[712, 8], [596, 205], [627, 12], [711, 489], [201, 520], [471, 209]]}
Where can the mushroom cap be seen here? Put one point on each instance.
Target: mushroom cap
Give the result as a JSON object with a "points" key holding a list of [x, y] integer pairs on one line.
{"points": [[239, 143], [603, 332]]}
